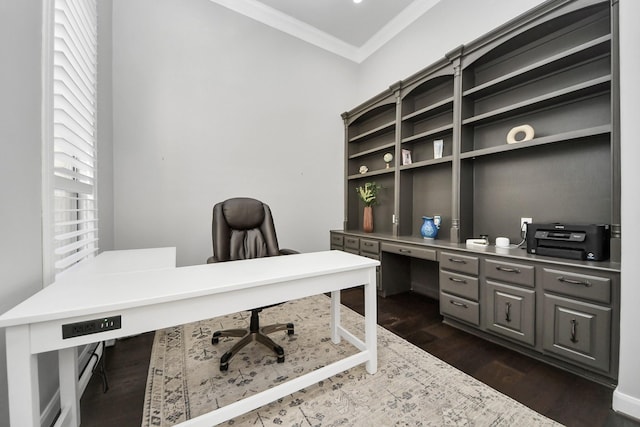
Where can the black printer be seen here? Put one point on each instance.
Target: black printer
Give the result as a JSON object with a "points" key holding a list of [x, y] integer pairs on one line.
{"points": [[584, 242]]}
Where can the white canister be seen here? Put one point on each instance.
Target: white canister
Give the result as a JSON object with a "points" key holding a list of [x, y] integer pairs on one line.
{"points": [[502, 242]]}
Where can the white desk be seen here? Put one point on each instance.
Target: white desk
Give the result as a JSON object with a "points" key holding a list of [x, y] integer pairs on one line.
{"points": [[149, 297]]}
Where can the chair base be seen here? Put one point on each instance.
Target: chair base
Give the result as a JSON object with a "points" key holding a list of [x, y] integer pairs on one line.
{"points": [[254, 333]]}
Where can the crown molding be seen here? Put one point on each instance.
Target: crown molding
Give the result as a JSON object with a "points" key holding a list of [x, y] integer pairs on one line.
{"points": [[274, 18], [405, 18]]}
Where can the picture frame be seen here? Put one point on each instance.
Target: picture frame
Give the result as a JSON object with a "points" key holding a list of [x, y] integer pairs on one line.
{"points": [[406, 156]]}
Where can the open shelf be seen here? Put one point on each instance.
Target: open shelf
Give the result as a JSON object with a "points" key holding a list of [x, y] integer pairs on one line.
{"points": [[551, 139], [420, 164], [387, 127], [388, 146], [584, 52], [433, 133], [372, 173], [554, 71], [438, 107], [591, 87]]}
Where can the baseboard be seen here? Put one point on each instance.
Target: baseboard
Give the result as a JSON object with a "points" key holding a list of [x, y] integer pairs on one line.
{"points": [[626, 405], [51, 411]]}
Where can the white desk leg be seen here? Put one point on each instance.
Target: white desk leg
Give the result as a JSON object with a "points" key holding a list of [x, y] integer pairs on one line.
{"points": [[68, 372], [335, 317], [22, 377], [370, 322]]}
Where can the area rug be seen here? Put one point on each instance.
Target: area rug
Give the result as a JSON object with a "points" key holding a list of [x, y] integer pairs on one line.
{"points": [[410, 388]]}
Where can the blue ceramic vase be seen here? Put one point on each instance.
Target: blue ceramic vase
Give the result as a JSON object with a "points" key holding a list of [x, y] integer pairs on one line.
{"points": [[429, 229]]}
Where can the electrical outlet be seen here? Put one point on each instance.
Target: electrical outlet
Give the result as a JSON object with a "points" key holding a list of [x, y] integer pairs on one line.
{"points": [[88, 327], [524, 221]]}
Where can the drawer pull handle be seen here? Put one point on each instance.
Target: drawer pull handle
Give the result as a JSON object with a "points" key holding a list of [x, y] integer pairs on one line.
{"points": [[405, 251], [574, 282], [574, 326], [507, 312], [458, 304], [458, 260], [508, 269], [368, 244], [456, 280]]}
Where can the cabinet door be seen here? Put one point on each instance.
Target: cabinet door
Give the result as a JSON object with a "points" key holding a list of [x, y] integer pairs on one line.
{"points": [[511, 311], [577, 331]]}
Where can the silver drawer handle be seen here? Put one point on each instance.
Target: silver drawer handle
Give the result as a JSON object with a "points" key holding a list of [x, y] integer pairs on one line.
{"points": [[508, 269], [574, 282], [368, 244], [455, 279], [458, 260], [405, 251], [458, 304], [507, 312]]}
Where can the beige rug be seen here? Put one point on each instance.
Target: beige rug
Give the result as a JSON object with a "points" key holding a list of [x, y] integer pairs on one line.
{"points": [[411, 387]]}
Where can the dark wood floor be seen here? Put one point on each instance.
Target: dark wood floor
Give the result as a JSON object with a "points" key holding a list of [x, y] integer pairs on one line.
{"points": [[559, 395]]}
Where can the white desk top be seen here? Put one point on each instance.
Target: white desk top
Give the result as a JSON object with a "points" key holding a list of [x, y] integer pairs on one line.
{"points": [[122, 261], [82, 294]]}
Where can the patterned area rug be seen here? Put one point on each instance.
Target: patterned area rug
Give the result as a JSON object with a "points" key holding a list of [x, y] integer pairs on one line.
{"points": [[411, 387]]}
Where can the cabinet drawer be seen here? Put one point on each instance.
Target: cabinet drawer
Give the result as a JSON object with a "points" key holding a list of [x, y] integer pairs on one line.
{"points": [[459, 284], [337, 240], [595, 288], [520, 274], [460, 308], [369, 246], [457, 262], [511, 311], [352, 242], [412, 251], [577, 331]]}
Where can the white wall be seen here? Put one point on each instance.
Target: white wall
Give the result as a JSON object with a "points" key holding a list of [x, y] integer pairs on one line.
{"points": [[626, 398], [105, 128], [21, 174], [20, 221], [210, 105]]}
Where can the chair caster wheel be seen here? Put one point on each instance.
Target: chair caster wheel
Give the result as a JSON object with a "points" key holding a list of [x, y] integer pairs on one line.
{"points": [[280, 359], [214, 341], [224, 367], [216, 338], [289, 328]]}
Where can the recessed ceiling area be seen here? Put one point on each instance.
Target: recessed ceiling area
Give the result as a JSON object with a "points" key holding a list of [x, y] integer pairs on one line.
{"points": [[352, 23], [343, 27]]}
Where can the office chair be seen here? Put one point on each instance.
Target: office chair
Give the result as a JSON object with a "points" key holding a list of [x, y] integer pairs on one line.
{"points": [[242, 228]]}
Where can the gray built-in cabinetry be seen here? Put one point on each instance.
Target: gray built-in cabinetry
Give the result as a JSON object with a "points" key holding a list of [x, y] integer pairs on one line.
{"points": [[555, 69]]}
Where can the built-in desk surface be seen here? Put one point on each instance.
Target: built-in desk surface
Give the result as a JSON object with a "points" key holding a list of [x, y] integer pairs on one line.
{"points": [[562, 311]]}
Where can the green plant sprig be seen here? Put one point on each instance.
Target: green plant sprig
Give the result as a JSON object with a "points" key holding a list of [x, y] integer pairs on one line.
{"points": [[368, 193]]}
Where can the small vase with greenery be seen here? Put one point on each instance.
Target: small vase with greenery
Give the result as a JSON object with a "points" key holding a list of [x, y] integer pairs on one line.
{"points": [[368, 194]]}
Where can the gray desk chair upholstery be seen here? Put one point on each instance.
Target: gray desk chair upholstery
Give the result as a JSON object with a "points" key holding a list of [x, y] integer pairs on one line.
{"points": [[242, 228]]}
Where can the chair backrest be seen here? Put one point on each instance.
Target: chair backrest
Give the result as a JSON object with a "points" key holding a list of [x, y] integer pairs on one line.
{"points": [[243, 228]]}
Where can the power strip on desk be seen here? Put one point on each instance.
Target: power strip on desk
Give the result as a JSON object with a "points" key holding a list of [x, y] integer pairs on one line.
{"points": [[89, 327]]}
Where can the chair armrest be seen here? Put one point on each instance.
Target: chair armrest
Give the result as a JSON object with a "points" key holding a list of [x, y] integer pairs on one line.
{"points": [[288, 252]]}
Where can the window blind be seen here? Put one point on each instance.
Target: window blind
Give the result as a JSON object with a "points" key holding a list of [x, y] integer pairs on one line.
{"points": [[73, 88]]}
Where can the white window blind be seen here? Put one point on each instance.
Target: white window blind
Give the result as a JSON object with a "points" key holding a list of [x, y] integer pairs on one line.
{"points": [[74, 217]]}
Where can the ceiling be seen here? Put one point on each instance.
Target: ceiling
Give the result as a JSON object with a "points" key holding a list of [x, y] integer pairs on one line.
{"points": [[351, 30]]}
